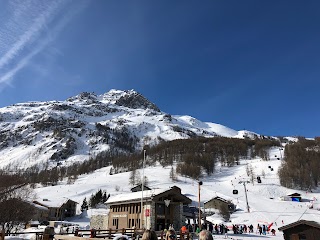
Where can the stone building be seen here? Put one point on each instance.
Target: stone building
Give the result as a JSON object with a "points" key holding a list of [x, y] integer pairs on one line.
{"points": [[99, 219], [161, 208]]}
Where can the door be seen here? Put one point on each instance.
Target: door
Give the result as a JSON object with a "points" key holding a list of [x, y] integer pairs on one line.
{"points": [[160, 224]]}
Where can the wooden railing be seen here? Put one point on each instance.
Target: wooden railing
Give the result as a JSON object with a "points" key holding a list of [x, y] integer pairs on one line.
{"points": [[98, 234], [131, 233]]}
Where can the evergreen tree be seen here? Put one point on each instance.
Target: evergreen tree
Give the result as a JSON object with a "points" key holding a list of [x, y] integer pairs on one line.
{"points": [[104, 197], [84, 205]]}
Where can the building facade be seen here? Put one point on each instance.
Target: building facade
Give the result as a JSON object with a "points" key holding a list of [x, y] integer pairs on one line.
{"points": [[160, 209]]}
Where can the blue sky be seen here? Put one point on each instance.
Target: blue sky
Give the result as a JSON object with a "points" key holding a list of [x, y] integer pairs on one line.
{"points": [[251, 65]]}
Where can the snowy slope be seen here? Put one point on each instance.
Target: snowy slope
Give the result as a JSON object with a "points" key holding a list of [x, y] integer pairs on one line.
{"points": [[264, 199]]}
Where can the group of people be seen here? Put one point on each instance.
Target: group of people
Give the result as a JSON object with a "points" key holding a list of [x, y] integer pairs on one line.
{"points": [[171, 235], [263, 229], [207, 230]]}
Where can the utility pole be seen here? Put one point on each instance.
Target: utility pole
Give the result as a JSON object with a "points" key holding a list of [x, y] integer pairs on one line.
{"points": [[245, 191], [199, 220], [280, 153], [142, 188]]}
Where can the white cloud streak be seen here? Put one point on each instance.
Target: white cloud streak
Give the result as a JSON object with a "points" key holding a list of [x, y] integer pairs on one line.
{"points": [[32, 34]]}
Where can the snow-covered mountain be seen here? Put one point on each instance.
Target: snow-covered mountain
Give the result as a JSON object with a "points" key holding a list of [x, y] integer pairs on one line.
{"points": [[35, 133]]}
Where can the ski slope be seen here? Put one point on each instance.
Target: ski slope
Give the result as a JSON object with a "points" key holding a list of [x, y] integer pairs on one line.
{"points": [[264, 201]]}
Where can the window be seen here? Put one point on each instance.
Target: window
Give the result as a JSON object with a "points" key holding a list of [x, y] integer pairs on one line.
{"points": [[131, 223], [160, 209], [115, 222]]}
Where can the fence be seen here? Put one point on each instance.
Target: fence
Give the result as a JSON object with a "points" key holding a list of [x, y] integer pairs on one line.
{"points": [[134, 234], [112, 233]]}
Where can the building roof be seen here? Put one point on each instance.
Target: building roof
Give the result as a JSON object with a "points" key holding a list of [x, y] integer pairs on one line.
{"points": [[221, 198], [300, 222], [147, 195], [295, 195], [139, 187], [37, 206], [52, 203]]}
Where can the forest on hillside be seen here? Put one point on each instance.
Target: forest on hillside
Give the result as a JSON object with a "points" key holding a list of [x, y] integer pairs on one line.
{"points": [[194, 158], [301, 166]]}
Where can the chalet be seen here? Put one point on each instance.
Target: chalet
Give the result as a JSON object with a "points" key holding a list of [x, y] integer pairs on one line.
{"points": [[301, 229], [160, 209], [59, 209], [218, 202]]}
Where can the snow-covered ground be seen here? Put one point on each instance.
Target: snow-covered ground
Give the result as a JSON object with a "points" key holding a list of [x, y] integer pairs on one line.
{"points": [[265, 204]]}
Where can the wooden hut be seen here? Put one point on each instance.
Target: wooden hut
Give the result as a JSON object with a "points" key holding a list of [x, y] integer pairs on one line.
{"points": [[301, 230]]}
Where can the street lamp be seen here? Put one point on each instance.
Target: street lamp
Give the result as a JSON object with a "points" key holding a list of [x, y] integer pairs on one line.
{"points": [[199, 220], [142, 187]]}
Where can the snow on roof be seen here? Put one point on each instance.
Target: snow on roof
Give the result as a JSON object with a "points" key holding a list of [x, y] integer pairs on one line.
{"points": [[38, 206], [219, 195], [135, 196], [56, 202]]}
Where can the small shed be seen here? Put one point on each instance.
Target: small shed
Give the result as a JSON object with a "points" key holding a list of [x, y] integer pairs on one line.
{"points": [[295, 197], [301, 230]]}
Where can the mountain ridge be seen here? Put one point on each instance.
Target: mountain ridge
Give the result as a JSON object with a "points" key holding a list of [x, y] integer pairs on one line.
{"points": [[51, 132]]}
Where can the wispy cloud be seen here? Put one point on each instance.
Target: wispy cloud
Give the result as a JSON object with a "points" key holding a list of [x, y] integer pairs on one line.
{"points": [[30, 32]]}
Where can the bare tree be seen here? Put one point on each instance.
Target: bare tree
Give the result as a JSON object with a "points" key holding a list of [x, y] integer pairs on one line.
{"points": [[224, 212], [173, 174], [133, 177], [15, 206]]}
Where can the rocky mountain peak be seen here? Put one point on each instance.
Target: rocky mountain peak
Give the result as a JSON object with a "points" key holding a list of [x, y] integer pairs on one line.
{"points": [[84, 96], [135, 100]]}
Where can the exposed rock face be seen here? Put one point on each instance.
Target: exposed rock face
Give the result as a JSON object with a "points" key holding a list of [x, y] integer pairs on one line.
{"points": [[135, 100]]}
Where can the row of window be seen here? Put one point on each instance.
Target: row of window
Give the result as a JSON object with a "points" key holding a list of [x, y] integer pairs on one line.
{"points": [[131, 223], [131, 208]]}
